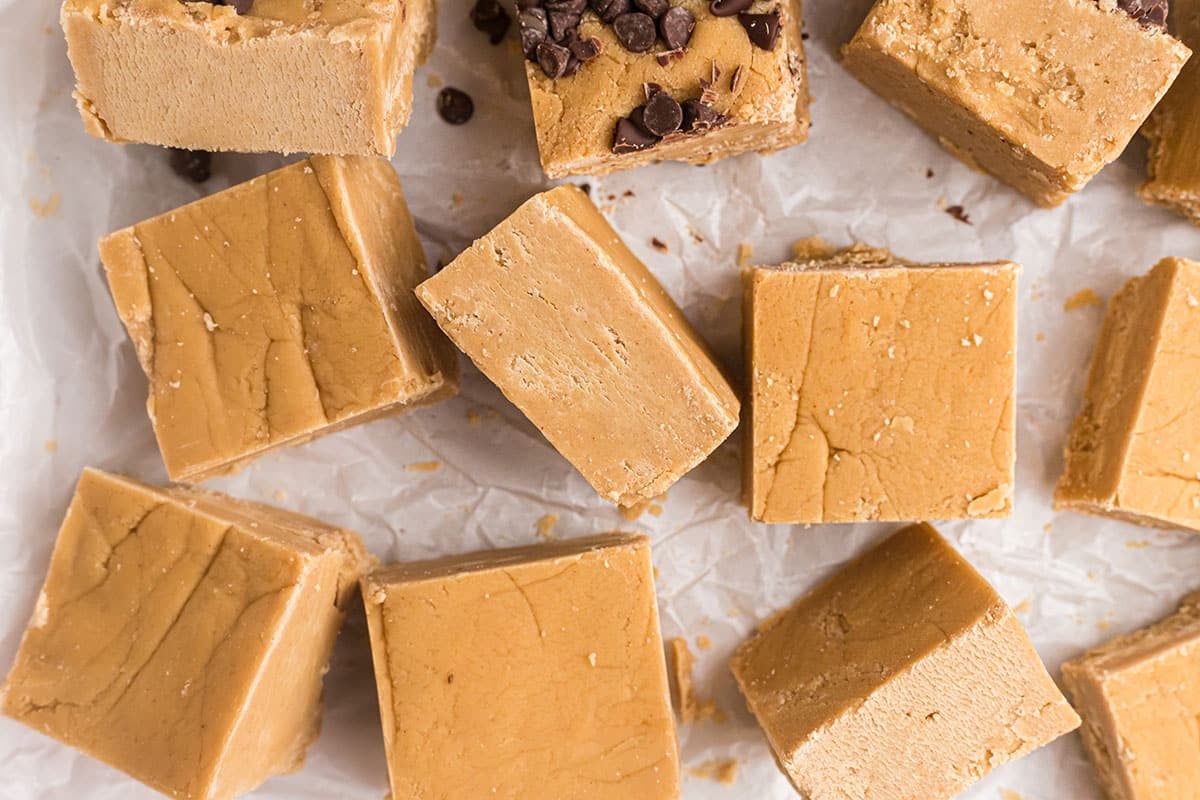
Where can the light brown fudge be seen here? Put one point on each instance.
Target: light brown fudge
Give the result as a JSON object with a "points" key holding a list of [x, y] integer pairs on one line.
{"points": [[767, 109], [1139, 696], [1130, 453], [286, 76], [1174, 128], [683, 687], [278, 310], [182, 636], [905, 675], [528, 672], [556, 311], [879, 389], [1041, 94]]}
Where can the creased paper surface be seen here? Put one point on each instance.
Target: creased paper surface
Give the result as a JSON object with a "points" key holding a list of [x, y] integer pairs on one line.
{"points": [[472, 473]]}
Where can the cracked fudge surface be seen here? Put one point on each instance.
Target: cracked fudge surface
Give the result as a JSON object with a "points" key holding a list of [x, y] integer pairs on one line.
{"points": [[575, 115], [530, 672], [278, 310], [181, 636], [1174, 128], [556, 311], [1134, 450], [1139, 696], [905, 675], [1042, 94], [204, 77], [879, 389]]}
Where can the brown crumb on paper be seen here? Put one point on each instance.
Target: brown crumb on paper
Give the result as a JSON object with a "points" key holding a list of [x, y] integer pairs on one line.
{"points": [[51, 445], [652, 507], [1137, 544], [424, 466], [703, 642], [721, 770], [697, 237], [46, 209], [960, 214], [545, 526], [683, 689], [1084, 298], [659, 245], [811, 248]]}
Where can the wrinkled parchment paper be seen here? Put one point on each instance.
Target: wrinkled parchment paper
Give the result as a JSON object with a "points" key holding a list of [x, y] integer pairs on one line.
{"points": [[71, 393]]}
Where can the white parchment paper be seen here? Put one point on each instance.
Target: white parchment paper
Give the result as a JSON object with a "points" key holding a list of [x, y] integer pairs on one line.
{"points": [[71, 393]]}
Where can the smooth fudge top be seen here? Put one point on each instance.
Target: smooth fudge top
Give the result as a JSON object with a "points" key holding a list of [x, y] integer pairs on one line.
{"points": [[246, 17]]}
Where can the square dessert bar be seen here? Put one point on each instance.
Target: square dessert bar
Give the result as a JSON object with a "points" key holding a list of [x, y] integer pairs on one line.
{"points": [[278, 310], [529, 672], [616, 84], [556, 311], [879, 389], [904, 676], [1139, 696], [280, 76], [1134, 450], [1174, 128], [182, 636], [1042, 94]]}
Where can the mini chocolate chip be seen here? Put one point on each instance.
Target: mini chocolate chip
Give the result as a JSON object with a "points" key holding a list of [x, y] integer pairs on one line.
{"points": [[454, 105], [534, 30], [635, 31], [735, 80], [609, 10], [560, 23], [629, 138], [553, 59], [195, 165], [700, 117], [649, 88], [569, 6], [573, 65], [662, 115], [655, 8], [715, 71], [676, 27], [584, 49], [1150, 13], [763, 29], [489, 17], [727, 8], [664, 58]]}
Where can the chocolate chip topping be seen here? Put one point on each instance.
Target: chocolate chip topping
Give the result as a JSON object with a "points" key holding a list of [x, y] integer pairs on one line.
{"points": [[661, 115], [561, 23], [568, 6], [454, 105], [1150, 13], [635, 31], [195, 165], [655, 8], [763, 29], [584, 49], [700, 117], [534, 30], [609, 10], [735, 80], [664, 118], [489, 17], [727, 8], [553, 59], [676, 27], [239, 6], [629, 138]]}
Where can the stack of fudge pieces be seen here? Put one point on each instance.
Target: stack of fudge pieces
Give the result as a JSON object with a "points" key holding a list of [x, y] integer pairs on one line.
{"points": [[182, 635]]}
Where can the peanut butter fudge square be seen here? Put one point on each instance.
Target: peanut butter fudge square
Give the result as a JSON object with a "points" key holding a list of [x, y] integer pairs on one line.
{"points": [[279, 76], [879, 389], [1174, 128], [533, 672], [277, 311], [904, 676], [1139, 696], [1042, 94], [620, 83], [556, 311], [1134, 450], [182, 636]]}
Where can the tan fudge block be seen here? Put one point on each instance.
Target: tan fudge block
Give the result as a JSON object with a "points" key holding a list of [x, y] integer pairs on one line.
{"points": [[1139, 696], [182, 636], [879, 389], [1130, 451], [278, 310], [288, 76], [904, 676], [529, 672], [576, 115], [1042, 94], [556, 311], [1174, 128]]}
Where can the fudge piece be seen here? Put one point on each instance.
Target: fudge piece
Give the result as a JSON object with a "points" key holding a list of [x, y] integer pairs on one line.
{"points": [[1130, 451], [554, 308], [278, 310], [279, 76], [683, 687], [1174, 128], [1042, 94], [620, 85], [879, 389], [1139, 696], [528, 672], [182, 636], [905, 675]]}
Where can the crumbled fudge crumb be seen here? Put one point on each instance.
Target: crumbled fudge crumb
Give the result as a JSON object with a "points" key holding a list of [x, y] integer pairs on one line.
{"points": [[545, 526], [684, 695], [744, 254], [424, 466], [721, 770], [1084, 298], [811, 248]]}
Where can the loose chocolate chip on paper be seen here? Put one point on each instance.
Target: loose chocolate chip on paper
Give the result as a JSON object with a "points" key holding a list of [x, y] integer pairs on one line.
{"points": [[489, 17], [727, 8], [960, 214], [655, 8], [553, 59], [455, 106], [1150, 13], [676, 27], [629, 138], [635, 31], [195, 165], [561, 23], [659, 245], [763, 29], [534, 30], [662, 115]]}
